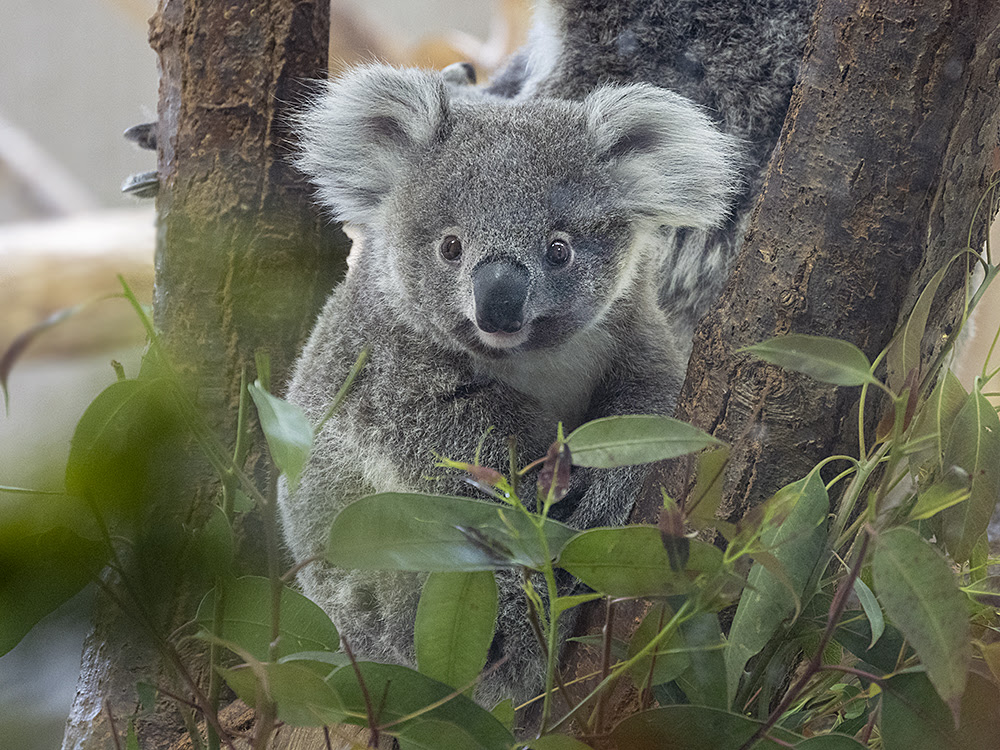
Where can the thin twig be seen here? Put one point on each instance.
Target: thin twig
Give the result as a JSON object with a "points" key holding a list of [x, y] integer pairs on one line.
{"points": [[369, 711]]}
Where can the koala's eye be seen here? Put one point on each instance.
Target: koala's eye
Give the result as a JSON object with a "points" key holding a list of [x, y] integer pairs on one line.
{"points": [[558, 252], [451, 247]]}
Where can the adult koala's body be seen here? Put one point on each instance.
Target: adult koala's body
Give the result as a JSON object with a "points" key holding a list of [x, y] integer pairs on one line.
{"points": [[503, 280], [738, 59]]}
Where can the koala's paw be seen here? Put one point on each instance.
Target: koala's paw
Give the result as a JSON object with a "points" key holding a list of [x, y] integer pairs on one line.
{"points": [[459, 74]]}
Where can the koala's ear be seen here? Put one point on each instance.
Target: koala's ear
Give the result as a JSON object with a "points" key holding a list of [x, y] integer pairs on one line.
{"points": [[679, 168], [364, 130]]}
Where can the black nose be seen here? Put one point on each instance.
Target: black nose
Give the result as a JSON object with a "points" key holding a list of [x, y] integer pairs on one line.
{"points": [[500, 289]]}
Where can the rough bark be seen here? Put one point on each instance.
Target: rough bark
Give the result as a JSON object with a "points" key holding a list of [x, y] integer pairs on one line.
{"points": [[242, 263], [886, 150]]}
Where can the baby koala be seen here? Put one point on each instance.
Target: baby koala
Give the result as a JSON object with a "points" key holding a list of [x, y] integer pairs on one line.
{"points": [[506, 280]]}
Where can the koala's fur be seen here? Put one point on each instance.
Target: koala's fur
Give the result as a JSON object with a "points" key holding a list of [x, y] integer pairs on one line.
{"points": [[404, 161], [633, 177], [738, 59]]}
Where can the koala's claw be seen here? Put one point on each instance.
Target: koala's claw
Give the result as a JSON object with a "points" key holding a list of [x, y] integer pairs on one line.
{"points": [[143, 135], [142, 185], [460, 74]]}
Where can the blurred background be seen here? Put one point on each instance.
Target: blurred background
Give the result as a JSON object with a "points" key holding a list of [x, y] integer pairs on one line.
{"points": [[73, 75]]}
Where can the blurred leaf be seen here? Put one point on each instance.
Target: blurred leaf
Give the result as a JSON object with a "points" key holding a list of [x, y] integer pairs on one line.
{"points": [[214, 547], [991, 655], [399, 692], [973, 444], [798, 544], [703, 501], [830, 742], [504, 713], [404, 531], [456, 618], [634, 439], [554, 475], [631, 561], [302, 697], [48, 553], [904, 349], [124, 445], [247, 619], [288, 432], [825, 359], [854, 633], [683, 727], [872, 610], [951, 489], [131, 741], [430, 734], [985, 591], [914, 718], [668, 660], [917, 587], [557, 742]]}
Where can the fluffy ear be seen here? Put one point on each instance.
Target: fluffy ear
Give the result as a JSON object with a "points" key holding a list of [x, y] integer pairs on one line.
{"points": [[365, 128], [680, 169]]}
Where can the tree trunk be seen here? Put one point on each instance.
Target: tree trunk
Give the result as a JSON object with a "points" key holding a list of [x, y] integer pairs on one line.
{"points": [[243, 263], [886, 150]]}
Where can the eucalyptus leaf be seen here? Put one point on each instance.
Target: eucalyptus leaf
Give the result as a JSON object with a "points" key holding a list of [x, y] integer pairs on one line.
{"points": [[798, 544], [414, 532], [402, 692], [974, 444], [704, 500], [704, 681], [431, 734], [830, 742], [686, 727], [631, 561], [557, 742], [634, 439], [825, 359], [918, 590], [934, 420], [456, 618], [668, 660], [904, 351], [247, 619], [302, 697], [872, 610], [951, 489], [289, 434]]}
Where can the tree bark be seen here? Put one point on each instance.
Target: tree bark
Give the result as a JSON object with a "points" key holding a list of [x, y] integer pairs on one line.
{"points": [[243, 263], [886, 150]]}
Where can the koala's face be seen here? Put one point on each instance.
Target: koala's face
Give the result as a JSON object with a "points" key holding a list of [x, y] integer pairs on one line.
{"points": [[501, 226], [509, 235]]}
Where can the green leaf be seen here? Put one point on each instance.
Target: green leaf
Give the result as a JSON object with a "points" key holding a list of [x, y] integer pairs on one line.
{"points": [[121, 446], [827, 360], [634, 439], [904, 350], [951, 489], [668, 660], [430, 734], [830, 742], [872, 611], [456, 618], [131, 740], [973, 444], [914, 718], [214, 547], [934, 420], [247, 619], [504, 713], [400, 692], [557, 742], [918, 590], [409, 531], [704, 500], [302, 697], [798, 544], [288, 432], [48, 553], [704, 681], [684, 727], [631, 561]]}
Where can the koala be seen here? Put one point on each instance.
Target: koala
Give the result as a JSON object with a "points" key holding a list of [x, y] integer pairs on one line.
{"points": [[738, 59], [505, 278]]}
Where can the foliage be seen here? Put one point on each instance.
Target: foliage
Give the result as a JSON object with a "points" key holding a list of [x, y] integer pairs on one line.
{"points": [[874, 581]]}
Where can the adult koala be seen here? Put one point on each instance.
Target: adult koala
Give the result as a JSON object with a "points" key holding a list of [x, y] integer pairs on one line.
{"points": [[505, 279]]}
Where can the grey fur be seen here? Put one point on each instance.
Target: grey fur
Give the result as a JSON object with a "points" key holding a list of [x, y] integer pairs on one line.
{"points": [[736, 58], [408, 160]]}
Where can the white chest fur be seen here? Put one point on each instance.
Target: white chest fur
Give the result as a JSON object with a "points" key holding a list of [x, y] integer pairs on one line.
{"points": [[561, 379]]}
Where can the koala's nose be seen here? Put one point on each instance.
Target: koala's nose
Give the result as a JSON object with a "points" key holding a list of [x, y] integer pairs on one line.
{"points": [[500, 289]]}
